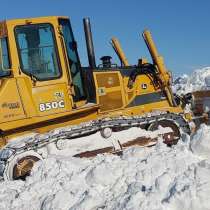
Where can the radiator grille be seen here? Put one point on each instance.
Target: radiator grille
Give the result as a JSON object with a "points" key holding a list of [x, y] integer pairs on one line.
{"points": [[108, 80], [109, 91]]}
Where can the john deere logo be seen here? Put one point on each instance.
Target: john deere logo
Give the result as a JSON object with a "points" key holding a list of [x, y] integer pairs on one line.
{"points": [[144, 86]]}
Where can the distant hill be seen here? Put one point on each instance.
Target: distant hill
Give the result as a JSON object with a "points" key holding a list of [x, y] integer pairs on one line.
{"points": [[198, 80]]}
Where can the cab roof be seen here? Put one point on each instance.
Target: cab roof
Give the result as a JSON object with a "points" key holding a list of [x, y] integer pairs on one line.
{"points": [[35, 19]]}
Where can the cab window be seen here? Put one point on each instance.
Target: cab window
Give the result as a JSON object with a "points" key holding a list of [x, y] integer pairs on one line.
{"points": [[4, 58], [73, 59], [37, 51]]}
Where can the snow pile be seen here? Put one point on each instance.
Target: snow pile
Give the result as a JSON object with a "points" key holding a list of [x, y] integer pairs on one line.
{"points": [[198, 80], [200, 144], [159, 178], [96, 141]]}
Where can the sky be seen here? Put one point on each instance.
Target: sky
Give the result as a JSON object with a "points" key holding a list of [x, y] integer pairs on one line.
{"points": [[180, 28]]}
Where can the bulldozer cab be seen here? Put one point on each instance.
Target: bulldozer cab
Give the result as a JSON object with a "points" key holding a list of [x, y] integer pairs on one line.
{"points": [[39, 55], [44, 70]]}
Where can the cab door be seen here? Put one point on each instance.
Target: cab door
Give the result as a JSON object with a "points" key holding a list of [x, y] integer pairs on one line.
{"points": [[73, 63], [11, 107], [39, 61]]}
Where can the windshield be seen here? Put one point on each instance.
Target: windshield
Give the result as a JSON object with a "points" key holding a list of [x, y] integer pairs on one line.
{"points": [[73, 59], [4, 58]]}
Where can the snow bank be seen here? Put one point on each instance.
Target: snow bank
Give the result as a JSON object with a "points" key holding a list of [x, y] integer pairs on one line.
{"points": [[200, 143], [198, 80], [156, 178]]}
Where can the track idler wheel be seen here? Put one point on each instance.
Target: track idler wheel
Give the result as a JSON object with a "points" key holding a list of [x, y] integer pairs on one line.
{"points": [[21, 165], [170, 138]]}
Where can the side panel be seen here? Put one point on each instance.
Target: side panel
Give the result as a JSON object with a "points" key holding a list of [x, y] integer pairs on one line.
{"points": [[11, 107], [51, 99], [115, 97], [109, 94], [43, 100], [144, 92]]}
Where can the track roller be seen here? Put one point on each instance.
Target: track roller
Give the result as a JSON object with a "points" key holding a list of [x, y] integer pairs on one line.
{"points": [[106, 132]]}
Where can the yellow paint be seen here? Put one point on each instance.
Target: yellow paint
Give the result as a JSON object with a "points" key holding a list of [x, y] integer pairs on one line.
{"points": [[118, 49], [10, 103], [164, 74]]}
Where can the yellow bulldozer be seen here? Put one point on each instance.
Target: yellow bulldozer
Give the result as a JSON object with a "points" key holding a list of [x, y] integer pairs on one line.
{"points": [[43, 87]]}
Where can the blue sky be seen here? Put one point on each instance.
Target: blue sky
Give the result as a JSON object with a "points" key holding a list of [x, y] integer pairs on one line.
{"points": [[180, 28]]}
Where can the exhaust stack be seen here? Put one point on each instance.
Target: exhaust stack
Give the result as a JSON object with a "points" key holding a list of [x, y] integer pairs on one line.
{"points": [[89, 43]]}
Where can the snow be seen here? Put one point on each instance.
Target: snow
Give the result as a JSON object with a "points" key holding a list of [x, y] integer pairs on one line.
{"points": [[156, 178], [202, 147], [198, 80], [96, 141]]}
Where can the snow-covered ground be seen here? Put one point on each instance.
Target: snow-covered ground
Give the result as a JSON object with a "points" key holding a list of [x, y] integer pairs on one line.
{"points": [[155, 178], [142, 178]]}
